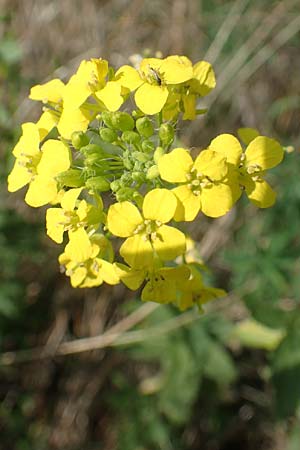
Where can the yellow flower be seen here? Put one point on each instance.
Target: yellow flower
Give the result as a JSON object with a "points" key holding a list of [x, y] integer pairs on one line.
{"points": [[37, 167], [89, 80], [193, 291], [50, 92], [152, 79], [184, 98], [261, 154], [83, 260], [72, 215], [147, 235], [161, 285], [204, 183]]}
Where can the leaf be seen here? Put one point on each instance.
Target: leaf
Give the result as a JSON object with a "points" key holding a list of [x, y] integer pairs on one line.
{"points": [[253, 334]]}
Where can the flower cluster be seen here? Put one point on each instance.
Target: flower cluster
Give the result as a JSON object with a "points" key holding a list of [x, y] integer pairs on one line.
{"points": [[102, 155]]}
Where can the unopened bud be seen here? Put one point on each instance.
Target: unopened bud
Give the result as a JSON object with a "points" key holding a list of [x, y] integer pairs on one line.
{"points": [[152, 172], [138, 176], [131, 137], [91, 149], [79, 139], [106, 116], [124, 194], [122, 121], [108, 135], [166, 134], [140, 156], [71, 178], [115, 185], [159, 152], [98, 183], [144, 127], [148, 146]]}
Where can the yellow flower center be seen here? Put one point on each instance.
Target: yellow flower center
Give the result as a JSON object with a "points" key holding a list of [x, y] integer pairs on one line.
{"points": [[148, 228], [197, 181], [152, 76], [29, 162]]}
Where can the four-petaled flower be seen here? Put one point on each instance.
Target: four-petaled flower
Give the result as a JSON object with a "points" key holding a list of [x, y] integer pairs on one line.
{"points": [[204, 183], [261, 154], [147, 235]]}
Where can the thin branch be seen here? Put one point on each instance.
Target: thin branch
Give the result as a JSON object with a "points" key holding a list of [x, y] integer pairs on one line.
{"points": [[81, 345]]}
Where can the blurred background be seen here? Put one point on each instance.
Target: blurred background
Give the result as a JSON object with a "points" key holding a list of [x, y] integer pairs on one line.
{"points": [[226, 380]]}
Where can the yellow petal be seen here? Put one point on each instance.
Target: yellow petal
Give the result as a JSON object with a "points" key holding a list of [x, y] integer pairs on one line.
{"points": [[69, 199], [130, 277], [79, 248], [175, 166], [150, 99], [176, 69], [78, 276], [18, 177], [188, 204], [203, 78], [28, 143], [81, 85], [128, 77], [108, 272], [217, 200], [211, 164], [111, 96], [55, 158], [260, 193], [137, 251], [42, 190], [227, 145], [73, 120], [169, 243], [123, 219], [52, 91], [46, 123], [55, 219], [159, 204], [160, 291], [265, 152]]}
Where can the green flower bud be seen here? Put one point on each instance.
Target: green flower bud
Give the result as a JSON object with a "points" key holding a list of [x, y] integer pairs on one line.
{"points": [[131, 137], [158, 154], [138, 176], [138, 166], [152, 172], [98, 183], [71, 178], [79, 139], [126, 178], [115, 185], [144, 127], [92, 149], [91, 159], [106, 116], [141, 157], [166, 134], [122, 121], [108, 135], [128, 164], [124, 194], [148, 146], [136, 114]]}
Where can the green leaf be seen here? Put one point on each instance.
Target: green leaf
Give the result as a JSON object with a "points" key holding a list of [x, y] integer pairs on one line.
{"points": [[253, 334]]}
